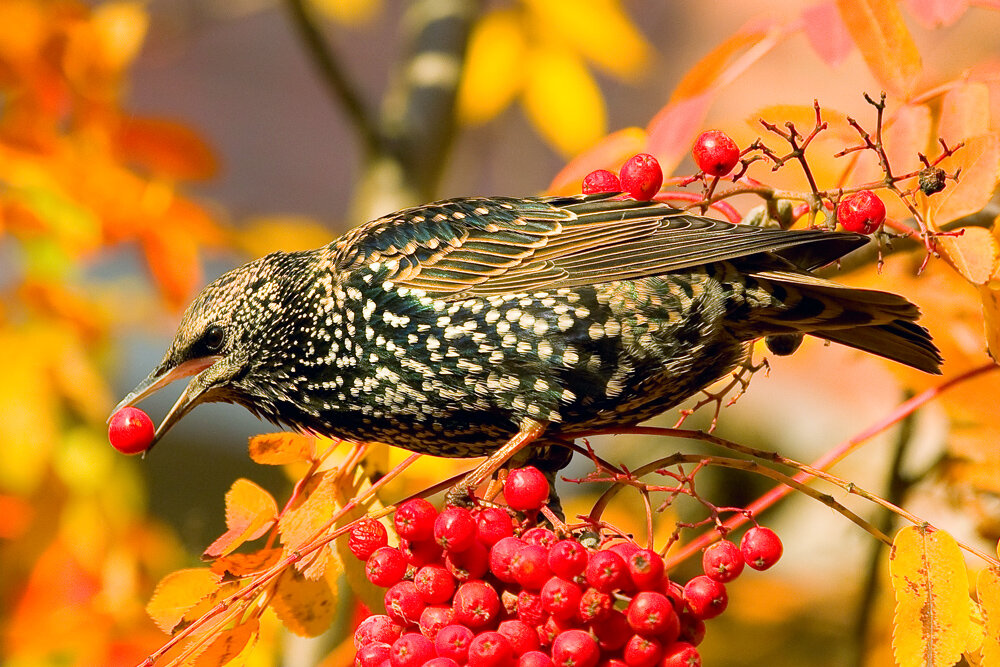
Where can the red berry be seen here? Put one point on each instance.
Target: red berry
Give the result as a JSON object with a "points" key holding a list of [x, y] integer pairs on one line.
{"points": [[452, 641], [722, 561], [534, 659], [624, 548], [543, 537], [706, 598], [386, 566], [376, 629], [526, 489], [607, 571], [469, 564], [645, 567], [530, 566], [420, 552], [561, 598], [403, 604], [642, 651], [441, 662], [681, 654], [575, 648], [372, 655], [501, 556], [490, 649], [455, 529], [692, 629], [476, 604], [131, 431], [411, 650], [761, 547], [492, 525], [861, 212], [567, 558], [530, 608], [522, 637], [432, 619], [366, 536], [434, 584], [415, 520], [641, 176], [612, 631], [594, 605], [715, 153], [601, 180], [650, 613]]}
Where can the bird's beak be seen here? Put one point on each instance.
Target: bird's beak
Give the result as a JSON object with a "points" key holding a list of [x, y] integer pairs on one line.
{"points": [[164, 375]]}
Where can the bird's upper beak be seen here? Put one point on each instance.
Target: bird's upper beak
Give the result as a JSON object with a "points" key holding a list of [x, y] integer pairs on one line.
{"points": [[163, 375]]}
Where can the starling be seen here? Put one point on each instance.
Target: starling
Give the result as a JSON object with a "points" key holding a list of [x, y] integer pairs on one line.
{"points": [[471, 327]]}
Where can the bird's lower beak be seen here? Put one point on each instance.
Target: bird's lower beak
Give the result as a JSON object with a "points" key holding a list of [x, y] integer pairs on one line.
{"points": [[161, 377]]}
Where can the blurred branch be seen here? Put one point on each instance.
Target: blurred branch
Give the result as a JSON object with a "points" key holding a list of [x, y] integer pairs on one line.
{"points": [[343, 90]]}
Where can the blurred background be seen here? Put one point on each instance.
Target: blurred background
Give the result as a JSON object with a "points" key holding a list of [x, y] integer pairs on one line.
{"points": [[147, 147]]}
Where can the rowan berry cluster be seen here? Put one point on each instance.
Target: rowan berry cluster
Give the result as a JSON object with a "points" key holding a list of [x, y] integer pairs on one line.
{"points": [[491, 587]]}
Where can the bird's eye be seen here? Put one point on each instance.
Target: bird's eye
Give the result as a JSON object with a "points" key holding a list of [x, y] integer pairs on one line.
{"points": [[213, 338]]}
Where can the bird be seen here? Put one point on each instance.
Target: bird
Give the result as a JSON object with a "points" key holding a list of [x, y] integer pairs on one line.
{"points": [[474, 327]]}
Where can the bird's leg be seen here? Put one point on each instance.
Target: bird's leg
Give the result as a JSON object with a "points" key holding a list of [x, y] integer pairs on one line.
{"points": [[529, 431]]}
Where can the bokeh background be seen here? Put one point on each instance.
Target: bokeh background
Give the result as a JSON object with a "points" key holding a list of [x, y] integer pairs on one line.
{"points": [[145, 148]]}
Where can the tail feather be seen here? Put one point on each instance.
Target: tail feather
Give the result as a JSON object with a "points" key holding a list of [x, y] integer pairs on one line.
{"points": [[901, 341]]}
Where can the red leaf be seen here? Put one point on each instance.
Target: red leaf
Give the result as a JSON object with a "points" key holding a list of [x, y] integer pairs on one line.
{"points": [[609, 153], [827, 33], [166, 148]]}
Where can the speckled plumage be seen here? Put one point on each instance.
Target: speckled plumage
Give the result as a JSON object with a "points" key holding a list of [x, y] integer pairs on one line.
{"points": [[443, 329]]}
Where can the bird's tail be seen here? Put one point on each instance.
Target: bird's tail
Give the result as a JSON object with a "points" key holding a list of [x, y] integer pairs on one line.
{"points": [[877, 322]]}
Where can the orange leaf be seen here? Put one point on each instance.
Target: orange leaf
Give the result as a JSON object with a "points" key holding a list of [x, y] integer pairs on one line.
{"points": [[229, 645], [881, 35], [166, 148], [988, 590], [673, 129], [250, 511], [177, 593], [827, 33], [965, 112], [609, 153], [173, 261], [933, 608], [305, 606], [979, 161], [282, 448], [303, 522], [236, 566], [974, 254]]}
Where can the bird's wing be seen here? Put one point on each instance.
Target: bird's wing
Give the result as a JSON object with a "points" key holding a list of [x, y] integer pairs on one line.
{"points": [[462, 247]]}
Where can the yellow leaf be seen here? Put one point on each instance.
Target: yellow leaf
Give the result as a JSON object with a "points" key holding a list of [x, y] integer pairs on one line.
{"points": [[250, 511], [177, 593], [229, 645], [597, 29], [282, 448], [349, 12], [990, 294], [305, 606], [610, 153], [121, 29], [881, 35], [988, 592], [235, 566], [562, 100], [933, 608], [965, 112], [974, 253], [493, 71], [979, 161]]}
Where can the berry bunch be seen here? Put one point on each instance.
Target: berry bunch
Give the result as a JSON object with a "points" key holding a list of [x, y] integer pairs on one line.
{"points": [[640, 177], [489, 587]]}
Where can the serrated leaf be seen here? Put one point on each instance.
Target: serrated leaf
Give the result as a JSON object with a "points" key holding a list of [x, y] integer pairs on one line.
{"points": [[235, 566], [990, 295], [229, 645], [562, 100], [305, 606], [933, 608], [208, 605], [988, 592], [177, 593], [282, 448], [974, 253], [965, 112], [979, 161], [881, 35], [250, 511], [609, 153], [305, 520]]}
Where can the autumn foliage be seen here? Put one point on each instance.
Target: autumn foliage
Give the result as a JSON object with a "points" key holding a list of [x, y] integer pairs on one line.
{"points": [[89, 577]]}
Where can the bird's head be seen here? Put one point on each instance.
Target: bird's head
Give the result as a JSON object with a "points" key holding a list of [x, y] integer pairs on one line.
{"points": [[228, 337]]}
